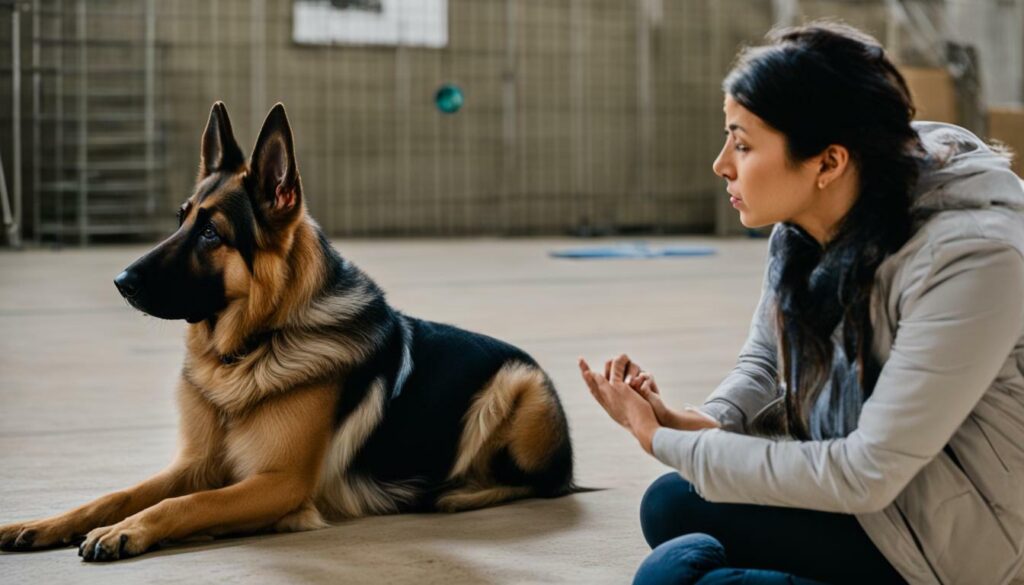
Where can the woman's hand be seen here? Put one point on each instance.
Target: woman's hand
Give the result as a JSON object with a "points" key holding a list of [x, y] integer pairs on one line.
{"points": [[643, 383], [622, 403], [687, 419]]}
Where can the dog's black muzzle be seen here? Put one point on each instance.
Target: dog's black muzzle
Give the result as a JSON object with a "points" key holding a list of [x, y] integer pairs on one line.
{"points": [[128, 283], [163, 285]]}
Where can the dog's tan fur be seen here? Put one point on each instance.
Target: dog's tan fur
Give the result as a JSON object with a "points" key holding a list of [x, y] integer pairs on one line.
{"points": [[515, 410], [342, 494]]}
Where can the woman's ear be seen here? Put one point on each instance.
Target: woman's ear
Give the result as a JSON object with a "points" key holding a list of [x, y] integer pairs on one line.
{"points": [[834, 161]]}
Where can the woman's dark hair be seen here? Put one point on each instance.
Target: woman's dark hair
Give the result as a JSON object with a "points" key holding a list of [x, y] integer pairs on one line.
{"points": [[819, 85]]}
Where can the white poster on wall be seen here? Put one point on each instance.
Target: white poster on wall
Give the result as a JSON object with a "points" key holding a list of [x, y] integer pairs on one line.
{"points": [[420, 23]]}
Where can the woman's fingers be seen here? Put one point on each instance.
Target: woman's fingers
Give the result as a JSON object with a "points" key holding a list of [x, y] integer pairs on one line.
{"points": [[619, 366], [591, 379], [627, 372], [602, 389], [653, 386], [647, 387], [637, 382], [585, 372], [633, 370], [582, 363]]}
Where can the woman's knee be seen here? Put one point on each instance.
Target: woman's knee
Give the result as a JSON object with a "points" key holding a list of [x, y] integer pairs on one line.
{"points": [[663, 509], [681, 561]]}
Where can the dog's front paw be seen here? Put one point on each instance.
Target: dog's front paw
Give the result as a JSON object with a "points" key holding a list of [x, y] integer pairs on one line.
{"points": [[40, 534], [18, 537], [125, 539]]}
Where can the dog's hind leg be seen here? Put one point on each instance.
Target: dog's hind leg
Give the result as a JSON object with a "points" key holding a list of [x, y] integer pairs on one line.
{"points": [[514, 443], [305, 518], [537, 439], [472, 497]]}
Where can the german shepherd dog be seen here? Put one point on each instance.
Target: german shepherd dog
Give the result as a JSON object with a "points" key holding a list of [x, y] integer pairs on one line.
{"points": [[304, 397]]}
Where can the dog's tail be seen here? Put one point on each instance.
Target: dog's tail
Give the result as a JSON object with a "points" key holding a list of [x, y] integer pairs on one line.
{"points": [[570, 490], [575, 489]]}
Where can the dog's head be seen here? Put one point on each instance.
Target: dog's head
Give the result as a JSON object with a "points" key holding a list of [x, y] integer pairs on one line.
{"points": [[238, 212]]}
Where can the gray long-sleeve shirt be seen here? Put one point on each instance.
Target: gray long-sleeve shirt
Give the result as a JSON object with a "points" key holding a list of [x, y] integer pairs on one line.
{"points": [[935, 466]]}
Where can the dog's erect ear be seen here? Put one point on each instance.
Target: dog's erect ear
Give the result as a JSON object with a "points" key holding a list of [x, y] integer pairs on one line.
{"points": [[274, 171], [219, 151]]}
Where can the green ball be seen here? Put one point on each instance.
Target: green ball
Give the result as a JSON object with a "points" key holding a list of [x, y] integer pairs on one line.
{"points": [[448, 98]]}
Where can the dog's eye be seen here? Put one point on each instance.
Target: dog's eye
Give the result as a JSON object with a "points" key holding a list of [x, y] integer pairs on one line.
{"points": [[209, 233]]}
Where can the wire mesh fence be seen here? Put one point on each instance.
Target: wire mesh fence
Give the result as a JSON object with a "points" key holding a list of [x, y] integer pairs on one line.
{"points": [[577, 116]]}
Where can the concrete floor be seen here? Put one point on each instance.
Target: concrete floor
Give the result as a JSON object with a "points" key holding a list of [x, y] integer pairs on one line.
{"points": [[86, 406]]}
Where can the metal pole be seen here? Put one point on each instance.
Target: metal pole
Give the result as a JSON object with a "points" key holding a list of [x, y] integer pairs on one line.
{"points": [[14, 229], [508, 127], [83, 127], [403, 138], [258, 61], [150, 107], [58, 131], [723, 217], [5, 206], [645, 101], [37, 89], [577, 119]]}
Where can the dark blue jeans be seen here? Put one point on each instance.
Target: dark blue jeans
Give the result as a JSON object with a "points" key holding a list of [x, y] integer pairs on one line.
{"points": [[696, 541]]}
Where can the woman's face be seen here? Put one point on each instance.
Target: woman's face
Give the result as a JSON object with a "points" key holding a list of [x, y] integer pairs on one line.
{"points": [[764, 185]]}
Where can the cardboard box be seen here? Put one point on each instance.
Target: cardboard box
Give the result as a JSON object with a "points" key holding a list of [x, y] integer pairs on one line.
{"points": [[1006, 124], [933, 93]]}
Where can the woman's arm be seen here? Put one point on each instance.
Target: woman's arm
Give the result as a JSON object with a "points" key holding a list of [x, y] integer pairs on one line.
{"points": [[961, 316]]}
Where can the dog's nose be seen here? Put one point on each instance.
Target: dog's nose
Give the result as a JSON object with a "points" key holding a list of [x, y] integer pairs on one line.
{"points": [[128, 283]]}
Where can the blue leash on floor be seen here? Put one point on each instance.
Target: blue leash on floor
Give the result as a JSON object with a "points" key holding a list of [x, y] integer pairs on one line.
{"points": [[634, 250]]}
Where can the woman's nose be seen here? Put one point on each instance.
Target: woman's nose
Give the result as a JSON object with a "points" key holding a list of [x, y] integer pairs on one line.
{"points": [[722, 167]]}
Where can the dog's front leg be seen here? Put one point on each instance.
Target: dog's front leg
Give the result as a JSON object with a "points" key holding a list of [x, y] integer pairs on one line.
{"points": [[64, 529], [191, 471], [255, 502], [277, 448]]}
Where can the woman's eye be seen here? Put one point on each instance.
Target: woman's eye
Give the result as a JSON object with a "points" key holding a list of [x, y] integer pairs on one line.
{"points": [[742, 148]]}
